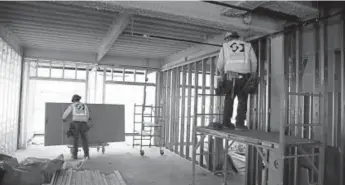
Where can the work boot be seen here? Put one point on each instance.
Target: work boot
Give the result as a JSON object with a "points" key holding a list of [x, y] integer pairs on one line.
{"points": [[241, 127], [229, 125], [87, 157]]}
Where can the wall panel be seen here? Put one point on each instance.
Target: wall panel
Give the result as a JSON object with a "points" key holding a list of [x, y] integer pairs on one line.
{"points": [[108, 124]]}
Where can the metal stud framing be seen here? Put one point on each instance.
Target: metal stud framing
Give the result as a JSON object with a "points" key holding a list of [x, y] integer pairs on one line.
{"points": [[342, 104], [309, 108], [176, 130], [183, 112], [203, 106], [189, 111], [195, 108], [211, 140], [172, 109]]}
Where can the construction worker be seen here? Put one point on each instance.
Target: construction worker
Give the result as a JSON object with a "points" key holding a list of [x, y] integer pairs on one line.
{"points": [[79, 125], [236, 63]]}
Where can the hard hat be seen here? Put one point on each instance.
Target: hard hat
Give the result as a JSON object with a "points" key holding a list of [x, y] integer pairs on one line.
{"points": [[76, 97], [233, 34]]}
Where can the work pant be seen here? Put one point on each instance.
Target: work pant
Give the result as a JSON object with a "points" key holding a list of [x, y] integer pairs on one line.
{"points": [[80, 128], [242, 98]]}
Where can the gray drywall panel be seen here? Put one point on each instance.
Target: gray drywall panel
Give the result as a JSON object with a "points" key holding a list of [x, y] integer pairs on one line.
{"points": [[108, 124]]}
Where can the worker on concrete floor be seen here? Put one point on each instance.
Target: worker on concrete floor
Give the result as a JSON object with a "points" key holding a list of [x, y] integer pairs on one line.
{"points": [[237, 64], [80, 124]]}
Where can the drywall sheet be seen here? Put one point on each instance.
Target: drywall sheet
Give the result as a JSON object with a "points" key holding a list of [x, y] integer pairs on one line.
{"points": [[108, 124]]}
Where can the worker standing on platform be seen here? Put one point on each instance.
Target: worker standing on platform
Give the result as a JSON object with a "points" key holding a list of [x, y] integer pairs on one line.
{"points": [[237, 65], [80, 124]]}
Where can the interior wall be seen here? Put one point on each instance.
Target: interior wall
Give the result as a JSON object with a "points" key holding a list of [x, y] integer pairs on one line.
{"points": [[314, 60], [10, 82], [308, 60], [188, 101]]}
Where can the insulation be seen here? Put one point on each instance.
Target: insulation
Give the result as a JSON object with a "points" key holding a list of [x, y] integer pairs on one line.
{"points": [[75, 177]]}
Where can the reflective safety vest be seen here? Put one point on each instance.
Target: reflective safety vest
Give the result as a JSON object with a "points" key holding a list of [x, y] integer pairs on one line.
{"points": [[80, 112], [237, 56]]}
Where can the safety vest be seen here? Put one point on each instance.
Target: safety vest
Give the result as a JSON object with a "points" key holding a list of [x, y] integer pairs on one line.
{"points": [[80, 112], [237, 56]]}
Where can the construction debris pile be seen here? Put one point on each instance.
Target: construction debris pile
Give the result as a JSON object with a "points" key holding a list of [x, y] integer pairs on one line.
{"points": [[76, 177], [31, 171]]}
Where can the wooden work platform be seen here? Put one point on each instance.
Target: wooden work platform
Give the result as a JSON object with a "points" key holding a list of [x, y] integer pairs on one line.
{"points": [[255, 137]]}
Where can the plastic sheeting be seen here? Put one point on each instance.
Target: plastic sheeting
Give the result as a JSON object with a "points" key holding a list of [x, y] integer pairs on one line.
{"points": [[31, 171], [10, 76]]}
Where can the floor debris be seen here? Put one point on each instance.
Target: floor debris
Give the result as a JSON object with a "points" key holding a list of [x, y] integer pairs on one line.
{"points": [[76, 177]]}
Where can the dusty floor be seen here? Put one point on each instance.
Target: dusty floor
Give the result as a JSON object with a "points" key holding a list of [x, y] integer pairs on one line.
{"points": [[151, 169]]}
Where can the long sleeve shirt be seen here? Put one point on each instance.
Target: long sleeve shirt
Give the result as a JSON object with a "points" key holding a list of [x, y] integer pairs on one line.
{"points": [[80, 112], [237, 56]]}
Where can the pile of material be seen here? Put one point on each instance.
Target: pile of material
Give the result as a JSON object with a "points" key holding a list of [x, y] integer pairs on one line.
{"points": [[76, 177], [31, 171]]}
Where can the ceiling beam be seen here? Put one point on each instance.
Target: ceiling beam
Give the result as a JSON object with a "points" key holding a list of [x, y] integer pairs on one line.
{"points": [[87, 57], [119, 24], [10, 38], [194, 13]]}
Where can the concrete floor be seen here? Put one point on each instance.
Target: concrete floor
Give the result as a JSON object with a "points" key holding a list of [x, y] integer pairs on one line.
{"points": [[150, 169]]}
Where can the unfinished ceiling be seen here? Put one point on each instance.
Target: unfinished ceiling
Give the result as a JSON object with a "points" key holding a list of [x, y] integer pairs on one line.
{"points": [[301, 10], [85, 26]]}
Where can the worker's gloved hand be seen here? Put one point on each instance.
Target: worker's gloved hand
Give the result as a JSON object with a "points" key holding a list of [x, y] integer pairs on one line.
{"points": [[89, 124]]}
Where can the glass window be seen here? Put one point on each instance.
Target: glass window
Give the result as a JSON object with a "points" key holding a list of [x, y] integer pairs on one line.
{"points": [[70, 71], [208, 80], [81, 72], [43, 69], [129, 75], [151, 77], [56, 69], [187, 78], [69, 74], [140, 75], [109, 74], [118, 74], [33, 69]]}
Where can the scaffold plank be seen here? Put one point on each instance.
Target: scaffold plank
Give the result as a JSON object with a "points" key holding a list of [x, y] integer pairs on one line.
{"points": [[255, 137]]}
